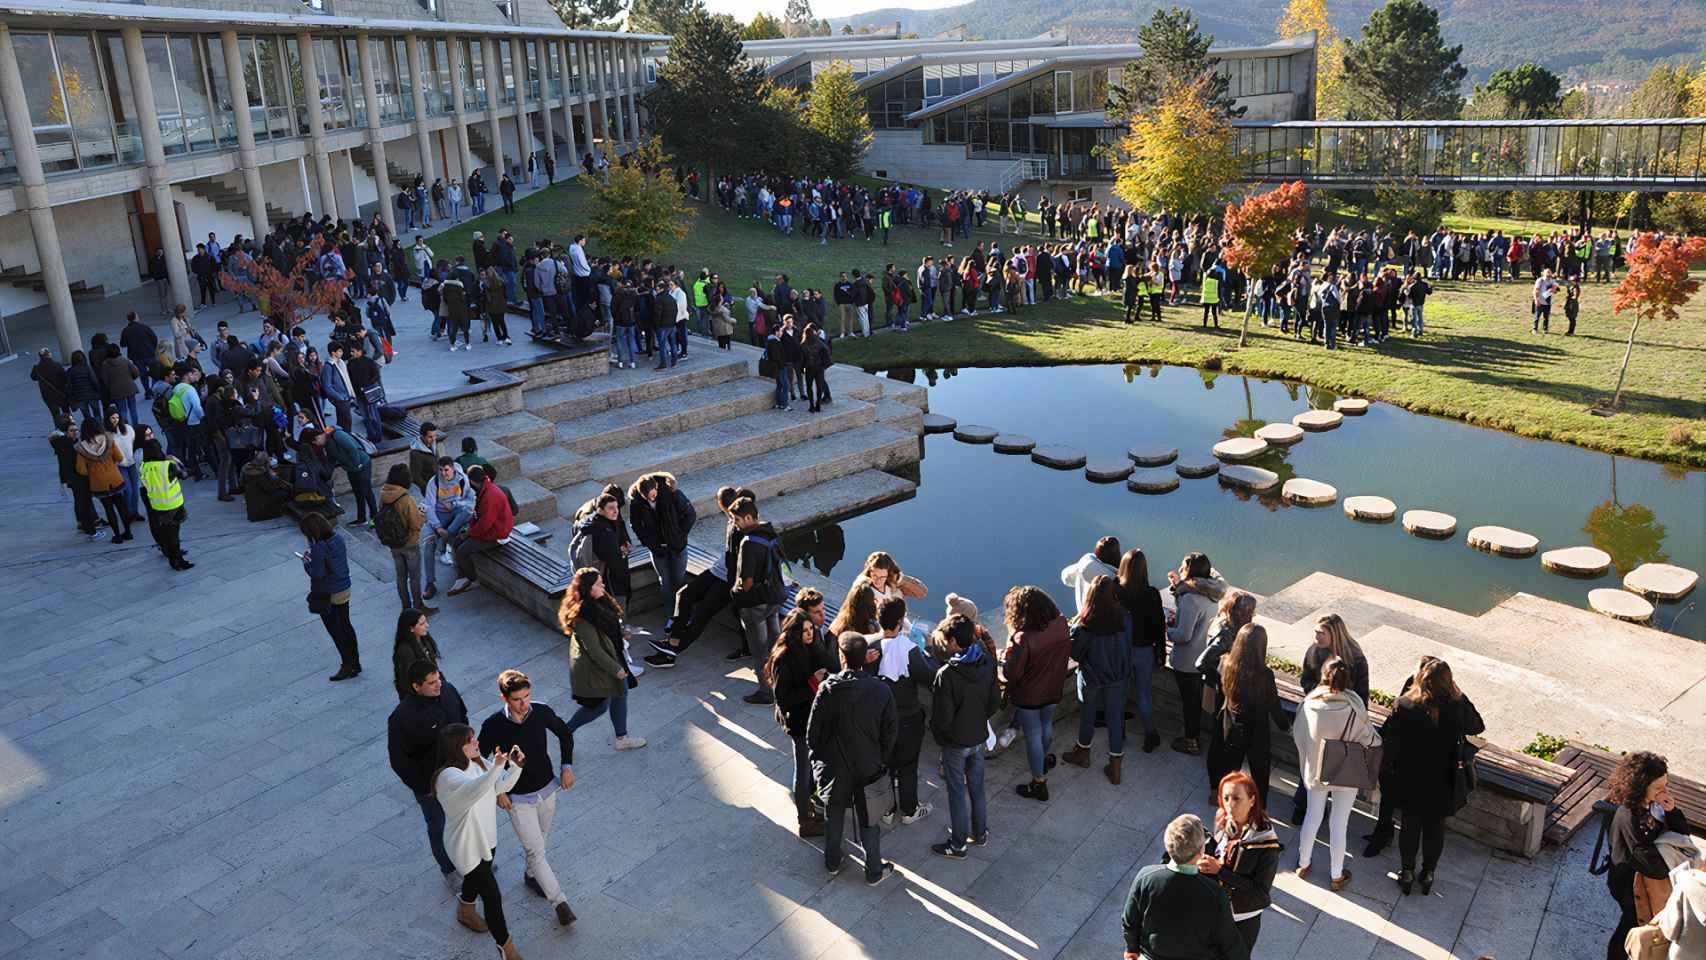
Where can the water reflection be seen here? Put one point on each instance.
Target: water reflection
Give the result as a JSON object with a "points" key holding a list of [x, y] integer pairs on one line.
{"points": [[819, 548], [1631, 534], [1277, 458]]}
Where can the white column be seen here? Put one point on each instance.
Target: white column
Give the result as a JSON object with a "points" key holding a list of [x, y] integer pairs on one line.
{"points": [[375, 137], [154, 153], [316, 123], [544, 48], [245, 135], [569, 111], [423, 138], [37, 204], [523, 128], [459, 108], [494, 92]]}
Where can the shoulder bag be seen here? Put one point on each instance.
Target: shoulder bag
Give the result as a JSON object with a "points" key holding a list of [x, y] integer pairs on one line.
{"points": [[1345, 763]]}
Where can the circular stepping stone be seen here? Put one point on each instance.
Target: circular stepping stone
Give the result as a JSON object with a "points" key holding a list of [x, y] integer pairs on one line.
{"points": [[1153, 481], [1504, 541], [1239, 449], [1059, 456], [972, 433], [1284, 434], [936, 423], [1620, 605], [1014, 443], [1245, 477], [1429, 523], [1152, 456], [1661, 581], [1316, 421], [1577, 561], [1372, 509], [1309, 493], [1351, 406], [1108, 469], [1194, 466]]}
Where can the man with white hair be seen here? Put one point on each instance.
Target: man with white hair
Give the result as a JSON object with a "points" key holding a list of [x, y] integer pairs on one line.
{"points": [[1175, 913]]}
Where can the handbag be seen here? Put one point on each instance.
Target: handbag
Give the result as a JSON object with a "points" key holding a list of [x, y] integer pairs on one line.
{"points": [[1646, 943], [1463, 777], [1343, 763], [319, 603]]}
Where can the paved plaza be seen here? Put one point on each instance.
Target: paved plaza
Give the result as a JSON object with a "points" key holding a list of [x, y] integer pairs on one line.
{"points": [[178, 779]]}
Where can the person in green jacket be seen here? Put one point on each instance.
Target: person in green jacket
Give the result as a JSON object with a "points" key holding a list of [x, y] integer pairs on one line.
{"points": [[347, 452], [1174, 911], [702, 301]]}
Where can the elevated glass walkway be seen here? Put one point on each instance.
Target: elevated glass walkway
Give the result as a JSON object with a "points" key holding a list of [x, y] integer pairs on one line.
{"points": [[1619, 154]]}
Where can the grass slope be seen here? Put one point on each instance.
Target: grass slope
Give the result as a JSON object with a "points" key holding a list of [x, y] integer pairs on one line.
{"points": [[1478, 363]]}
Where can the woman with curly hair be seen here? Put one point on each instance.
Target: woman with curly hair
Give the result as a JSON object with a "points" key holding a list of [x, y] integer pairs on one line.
{"points": [[1034, 668], [598, 668], [1640, 786], [883, 574], [858, 611]]}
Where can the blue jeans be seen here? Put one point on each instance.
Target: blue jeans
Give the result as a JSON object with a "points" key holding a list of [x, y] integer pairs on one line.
{"points": [[126, 406], [509, 285], [433, 536], [1038, 725], [370, 419], [618, 707], [1331, 319], [1140, 689], [536, 310], [1110, 699], [132, 487], [968, 806], [1416, 319], [665, 337], [626, 346], [434, 814], [479, 204], [456, 210], [784, 379], [409, 219], [672, 574]]}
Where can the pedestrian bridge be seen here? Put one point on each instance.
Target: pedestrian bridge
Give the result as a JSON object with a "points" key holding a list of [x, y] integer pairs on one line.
{"points": [[1652, 155]]}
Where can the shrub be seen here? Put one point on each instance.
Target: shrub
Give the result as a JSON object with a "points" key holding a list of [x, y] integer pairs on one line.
{"points": [[1544, 745]]}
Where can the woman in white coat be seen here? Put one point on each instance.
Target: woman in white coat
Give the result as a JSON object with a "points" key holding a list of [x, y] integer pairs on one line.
{"points": [[1331, 711], [467, 786]]}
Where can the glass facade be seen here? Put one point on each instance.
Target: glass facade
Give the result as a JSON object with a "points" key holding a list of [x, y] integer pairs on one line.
{"points": [[473, 74], [440, 98], [507, 68], [1255, 76], [1010, 122], [1574, 152], [554, 67]]}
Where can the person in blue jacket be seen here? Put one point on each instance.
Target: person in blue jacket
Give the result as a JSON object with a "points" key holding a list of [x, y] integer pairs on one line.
{"points": [[326, 561]]}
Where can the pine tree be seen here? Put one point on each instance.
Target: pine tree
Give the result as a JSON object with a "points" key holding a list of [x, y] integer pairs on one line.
{"points": [[1301, 17], [1529, 90], [763, 27], [586, 14], [1179, 157], [836, 112], [1401, 69], [662, 16], [1175, 54], [706, 91]]}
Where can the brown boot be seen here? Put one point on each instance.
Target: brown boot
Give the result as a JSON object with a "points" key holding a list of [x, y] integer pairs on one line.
{"points": [[509, 951], [1113, 770], [810, 826], [468, 916], [1078, 756]]}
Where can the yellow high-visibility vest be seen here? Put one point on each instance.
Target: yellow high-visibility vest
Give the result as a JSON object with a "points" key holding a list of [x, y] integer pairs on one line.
{"points": [[1210, 289], [164, 491]]}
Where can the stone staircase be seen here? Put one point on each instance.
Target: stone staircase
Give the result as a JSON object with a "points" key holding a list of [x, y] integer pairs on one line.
{"points": [[225, 197], [400, 177], [26, 279], [709, 422]]}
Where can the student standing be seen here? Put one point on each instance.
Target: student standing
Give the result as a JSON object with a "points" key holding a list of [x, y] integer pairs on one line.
{"points": [[1425, 740], [411, 739], [908, 671], [1102, 646], [468, 785], [326, 560], [411, 644], [850, 734], [794, 670], [1244, 854], [1034, 666], [757, 589], [963, 699], [1640, 787], [1331, 711], [532, 800]]}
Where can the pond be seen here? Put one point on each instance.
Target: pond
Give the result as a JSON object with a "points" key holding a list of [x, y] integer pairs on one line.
{"points": [[983, 521]]}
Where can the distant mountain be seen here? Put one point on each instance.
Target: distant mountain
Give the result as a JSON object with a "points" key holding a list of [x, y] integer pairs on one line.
{"points": [[1613, 42]]}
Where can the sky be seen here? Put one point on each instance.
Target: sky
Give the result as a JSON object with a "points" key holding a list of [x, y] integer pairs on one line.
{"points": [[743, 10]]}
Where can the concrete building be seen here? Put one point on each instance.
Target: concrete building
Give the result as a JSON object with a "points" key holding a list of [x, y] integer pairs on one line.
{"points": [[131, 127], [996, 114]]}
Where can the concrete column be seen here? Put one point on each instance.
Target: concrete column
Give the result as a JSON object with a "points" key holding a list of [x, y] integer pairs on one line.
{"points": [[631, 82], [245, 136], [616, 92], [423, 137], [494, 93], [523, 128], [544, 47], [587, 89], [36, 202], [569, 114], [154, 153], [375, 138], [459, 109], [316, 123]]}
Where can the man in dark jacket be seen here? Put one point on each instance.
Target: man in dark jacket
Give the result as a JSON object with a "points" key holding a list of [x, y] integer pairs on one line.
{"points": [[411, 740], [1177, 913], [756, 592], [851, 733], [140, 343], [661, 516], [51, 380], [962, 700]]}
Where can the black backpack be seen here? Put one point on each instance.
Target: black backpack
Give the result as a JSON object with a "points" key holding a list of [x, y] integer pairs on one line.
{"points": [[389, 525], [586, 320]]}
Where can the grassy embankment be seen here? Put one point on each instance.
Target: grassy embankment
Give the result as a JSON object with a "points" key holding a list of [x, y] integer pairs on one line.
{"points": [[1478, 362]]}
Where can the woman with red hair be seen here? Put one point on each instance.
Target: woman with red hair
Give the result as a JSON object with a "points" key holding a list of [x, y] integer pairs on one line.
{"points": [[1244, 853]]}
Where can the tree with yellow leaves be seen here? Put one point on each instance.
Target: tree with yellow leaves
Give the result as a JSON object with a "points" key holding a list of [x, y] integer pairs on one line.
{"points": [[1302, 16], [639, 210], [1179, 156]]}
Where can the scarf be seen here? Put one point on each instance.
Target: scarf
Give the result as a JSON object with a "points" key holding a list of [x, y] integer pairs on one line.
{"points": [[971, 656], [603, 617], [95, 447]]}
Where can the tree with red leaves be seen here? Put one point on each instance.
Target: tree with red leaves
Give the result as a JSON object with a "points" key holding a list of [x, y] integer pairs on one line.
{"points": [[1655, 287], [1263, 230], [292, 299]]}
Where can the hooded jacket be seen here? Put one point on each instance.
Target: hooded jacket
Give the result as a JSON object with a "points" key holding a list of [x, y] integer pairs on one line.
{"points": [[423, 462], [454, 494], [98, 458], [661, 526], [963, 699], [408, 508], [1080, 575], [1104, 659], [1197, 605], [851, 732]]}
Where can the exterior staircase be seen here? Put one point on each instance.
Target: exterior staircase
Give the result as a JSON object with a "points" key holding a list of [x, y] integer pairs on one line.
{"points": [[230, 199], [25, 279], [400, 177]]}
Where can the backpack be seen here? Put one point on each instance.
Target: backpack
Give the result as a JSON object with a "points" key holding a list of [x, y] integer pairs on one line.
{"points": [[175, 405], [305, 483], [161, 409], [772, 580], [580, 549], [389, 525]]}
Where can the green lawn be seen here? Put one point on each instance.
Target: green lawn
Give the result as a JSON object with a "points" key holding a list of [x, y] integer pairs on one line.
{"points": [[1478, 363]]}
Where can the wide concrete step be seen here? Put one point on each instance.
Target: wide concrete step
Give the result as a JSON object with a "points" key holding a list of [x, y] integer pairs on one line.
{"points": [[854, 383], [901, 415], [625, 388], [552, 467], [836, 499], [504, 460], [532, 502], [793, 468], [666, 416], [521, 431], [717, 444]]}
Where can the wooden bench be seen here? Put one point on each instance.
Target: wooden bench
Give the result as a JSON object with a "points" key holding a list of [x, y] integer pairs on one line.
{"points": [[1586, 787]]}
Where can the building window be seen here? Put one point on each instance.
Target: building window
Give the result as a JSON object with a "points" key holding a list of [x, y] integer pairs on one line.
{"points": [[506, 70], [505, 8], [440, 96], [85, 99], [430, 6], [219, 91]]}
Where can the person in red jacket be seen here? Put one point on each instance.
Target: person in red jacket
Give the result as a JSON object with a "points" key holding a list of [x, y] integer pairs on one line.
{"points": [[494, 520]]}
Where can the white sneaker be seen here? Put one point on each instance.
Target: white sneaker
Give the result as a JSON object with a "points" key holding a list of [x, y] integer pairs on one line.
{"points": [[919, 814], [453, 348], [1007, 737], [461, 586], [630, 743], [446, 556]]}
